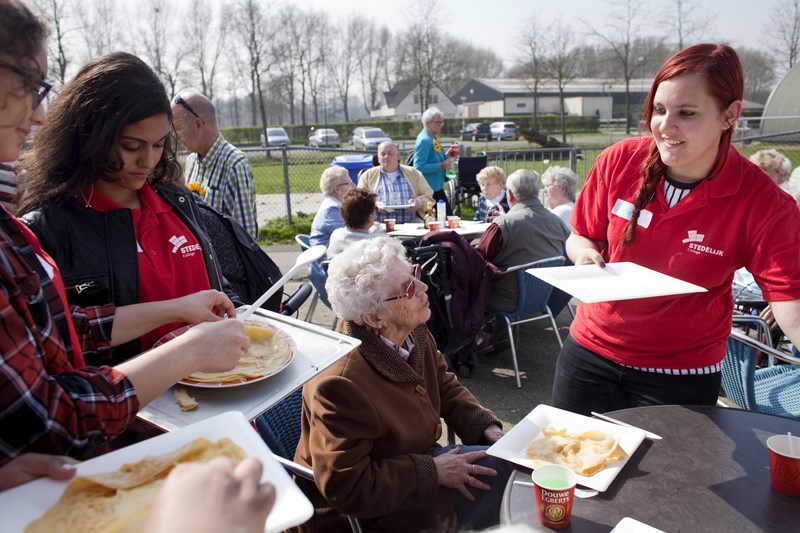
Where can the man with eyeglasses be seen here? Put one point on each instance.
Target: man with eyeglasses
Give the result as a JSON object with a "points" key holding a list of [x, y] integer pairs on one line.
{"points": [[223, 171]]}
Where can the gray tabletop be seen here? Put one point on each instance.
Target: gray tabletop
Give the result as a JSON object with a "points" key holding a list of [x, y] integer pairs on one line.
{"points": [[710, 473]]}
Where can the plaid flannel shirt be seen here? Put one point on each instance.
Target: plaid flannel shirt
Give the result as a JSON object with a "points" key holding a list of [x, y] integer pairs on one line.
{"points": [[395, 191], [227, 177], [46, 405]]}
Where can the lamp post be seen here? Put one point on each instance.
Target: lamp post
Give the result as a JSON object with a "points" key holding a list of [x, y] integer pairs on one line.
{"points": [[463, 111]]}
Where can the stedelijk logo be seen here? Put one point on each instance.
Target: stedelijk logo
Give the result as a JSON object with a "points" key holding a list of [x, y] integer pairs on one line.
{"points": [[177, 242], [694, 239]]}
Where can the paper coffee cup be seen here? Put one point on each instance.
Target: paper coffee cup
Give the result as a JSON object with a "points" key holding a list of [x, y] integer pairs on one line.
{"points": [[453, 222], [554, 490], [389, 224], [784, 468], [434, 226]]}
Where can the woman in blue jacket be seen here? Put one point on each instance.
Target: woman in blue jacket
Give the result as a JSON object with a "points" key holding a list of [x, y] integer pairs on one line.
{"points": [[429, 158]]}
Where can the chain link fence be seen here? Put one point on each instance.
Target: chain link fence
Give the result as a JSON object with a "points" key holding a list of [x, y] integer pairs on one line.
{"points": [[287, 178]]}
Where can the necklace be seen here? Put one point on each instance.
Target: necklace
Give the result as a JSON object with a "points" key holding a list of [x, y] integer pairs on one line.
{"points": [[89, 201]]}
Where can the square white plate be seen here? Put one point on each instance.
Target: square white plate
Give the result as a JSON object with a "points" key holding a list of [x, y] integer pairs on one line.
{"points": [[512, 446], [22, 505], [629, 525], [617, 281], [396, 207]]}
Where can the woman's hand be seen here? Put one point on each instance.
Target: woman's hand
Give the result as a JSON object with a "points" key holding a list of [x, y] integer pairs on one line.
{"points": [[204, 306], [446, 164], [213, 497], [216, 346], [30, 466], [588, 256], [767, 316], [458, 471], [492, 433]]}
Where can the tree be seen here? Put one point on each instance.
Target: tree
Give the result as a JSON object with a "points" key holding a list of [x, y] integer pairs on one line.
{"points": [[162, 50], [341, 61], [255, 33], [532, 59], [422, 44], [204, 34], [100, 26], [372, 62], [689, 23], [619, 37], [786, 31], [759, 73], [56, 13], [561, 64]]}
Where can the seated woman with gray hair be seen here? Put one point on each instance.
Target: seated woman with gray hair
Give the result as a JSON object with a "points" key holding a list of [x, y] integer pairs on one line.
{"points": [[559, 188], [371, 421], [359, 210], [334, 183]]}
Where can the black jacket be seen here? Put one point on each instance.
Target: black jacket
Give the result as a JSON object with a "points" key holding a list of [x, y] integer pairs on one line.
{"points": [[97, 255]]}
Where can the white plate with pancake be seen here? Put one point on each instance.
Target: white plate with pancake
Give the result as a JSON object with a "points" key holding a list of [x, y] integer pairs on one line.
{"points": [[24, 504], [281, 341], [513, 444]]}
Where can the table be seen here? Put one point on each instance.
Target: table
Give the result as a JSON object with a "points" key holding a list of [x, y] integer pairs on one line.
{"points": [[710, 473], [317, 349], [416, 230]]}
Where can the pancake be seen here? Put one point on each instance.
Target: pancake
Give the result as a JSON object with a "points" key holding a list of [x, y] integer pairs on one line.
{"points": [[120, 501], [584, 453], [269, 352]]}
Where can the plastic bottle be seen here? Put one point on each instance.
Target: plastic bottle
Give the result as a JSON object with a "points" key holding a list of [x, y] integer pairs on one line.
{"points": [[441, 213]]}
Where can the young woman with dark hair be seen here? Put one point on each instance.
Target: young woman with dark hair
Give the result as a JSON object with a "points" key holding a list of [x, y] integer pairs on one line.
{"points": [[681, 201], [101, 191]]}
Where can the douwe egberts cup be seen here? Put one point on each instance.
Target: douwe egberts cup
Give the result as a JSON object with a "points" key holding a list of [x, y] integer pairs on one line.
{"points": [[389, 224], [434, 225], [784, 468], [453, 222], [554, 489]]}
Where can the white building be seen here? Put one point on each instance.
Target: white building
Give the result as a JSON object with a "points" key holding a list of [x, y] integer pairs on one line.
{"points": [[403, 102]]}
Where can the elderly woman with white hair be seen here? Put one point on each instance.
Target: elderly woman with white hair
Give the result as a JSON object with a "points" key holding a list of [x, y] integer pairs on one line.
{"points": [[559, 188], [371, 421], [429, 158], [334, 183]]}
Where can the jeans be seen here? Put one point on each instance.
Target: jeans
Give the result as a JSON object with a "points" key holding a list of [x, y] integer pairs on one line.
{"points": [[585, 382], [485, 510]]}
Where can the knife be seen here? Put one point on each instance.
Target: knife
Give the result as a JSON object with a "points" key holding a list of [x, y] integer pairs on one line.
{"points": [[650, 435]]}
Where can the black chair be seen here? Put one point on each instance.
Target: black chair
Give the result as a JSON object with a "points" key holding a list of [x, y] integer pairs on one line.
{"points": [[468, 168]]}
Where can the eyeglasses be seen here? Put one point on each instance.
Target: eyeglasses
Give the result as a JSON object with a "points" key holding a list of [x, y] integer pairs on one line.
{"points": [[41, 92], [411, 289], [345, 183], [181, 102], [437, 121]]}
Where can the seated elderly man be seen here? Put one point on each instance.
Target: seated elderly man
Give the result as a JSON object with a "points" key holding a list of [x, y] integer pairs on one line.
{"points": [[396, 184], [334, 183], [371, 421], [527, 232], [358, 212]]}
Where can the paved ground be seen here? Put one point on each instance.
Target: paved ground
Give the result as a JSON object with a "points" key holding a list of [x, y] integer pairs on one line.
{"points": [[493, 381]]}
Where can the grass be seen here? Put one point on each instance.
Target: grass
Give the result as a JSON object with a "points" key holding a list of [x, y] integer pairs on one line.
{"points": [[277, 231]]}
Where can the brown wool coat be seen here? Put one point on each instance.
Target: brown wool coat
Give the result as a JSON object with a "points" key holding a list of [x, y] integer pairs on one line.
{"points": [[369, 424]]}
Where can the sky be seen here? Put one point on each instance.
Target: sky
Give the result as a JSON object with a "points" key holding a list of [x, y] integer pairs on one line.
{"points": [[736, 22]]}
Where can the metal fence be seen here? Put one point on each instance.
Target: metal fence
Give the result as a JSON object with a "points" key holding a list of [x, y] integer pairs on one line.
{"points": [[288, 177]]}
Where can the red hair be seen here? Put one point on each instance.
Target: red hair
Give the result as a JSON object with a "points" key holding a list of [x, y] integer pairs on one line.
{"points": [[720, 67]]}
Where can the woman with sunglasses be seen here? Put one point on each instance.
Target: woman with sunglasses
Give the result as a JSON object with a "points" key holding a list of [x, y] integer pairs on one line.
{"points": [[48, 404], [371, 422], [101, 191]]}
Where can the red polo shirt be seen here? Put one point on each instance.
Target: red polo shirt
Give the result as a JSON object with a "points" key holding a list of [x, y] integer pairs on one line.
{"points": [[171, 262], [738, 218]]}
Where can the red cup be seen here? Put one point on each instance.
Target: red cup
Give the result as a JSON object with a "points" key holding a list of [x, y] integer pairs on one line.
{"points": [[453, 222], [784, 468], [434, 225], [554, 489], [454, 150], [389, 224]]}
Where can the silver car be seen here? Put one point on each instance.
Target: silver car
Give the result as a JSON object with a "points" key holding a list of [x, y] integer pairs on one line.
{"points": [[368, 138], [502, 130], [325, 137], [275, 137]]}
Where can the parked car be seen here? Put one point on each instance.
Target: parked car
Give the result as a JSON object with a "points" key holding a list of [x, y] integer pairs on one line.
{"points": [[476, 131], [502, 130], [325, 137], [275, 137], [368, 138]]}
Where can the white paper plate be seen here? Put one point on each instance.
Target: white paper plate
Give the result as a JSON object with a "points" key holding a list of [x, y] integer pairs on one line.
{"points": [[22, 505], [511, 446], [629, 525], [617, 281], [395, 207]]}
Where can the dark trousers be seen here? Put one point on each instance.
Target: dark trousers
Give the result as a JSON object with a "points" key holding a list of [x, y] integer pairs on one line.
{"points": [[585, 382], [485, 510], [440, 195]]}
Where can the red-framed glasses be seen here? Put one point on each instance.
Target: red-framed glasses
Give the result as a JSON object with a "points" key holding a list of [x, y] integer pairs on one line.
{"points": [[411, 289]]}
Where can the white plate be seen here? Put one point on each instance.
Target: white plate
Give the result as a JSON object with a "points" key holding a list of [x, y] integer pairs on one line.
{"points": [[394, 207], [629, 525], [227, 384], [617, 281], [512, 446], [22, 505]]}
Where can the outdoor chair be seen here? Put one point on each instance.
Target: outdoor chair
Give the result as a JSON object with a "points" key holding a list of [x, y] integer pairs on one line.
{"points": [[532, 296], [774, 389], [280, 426], [317, 275]]}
